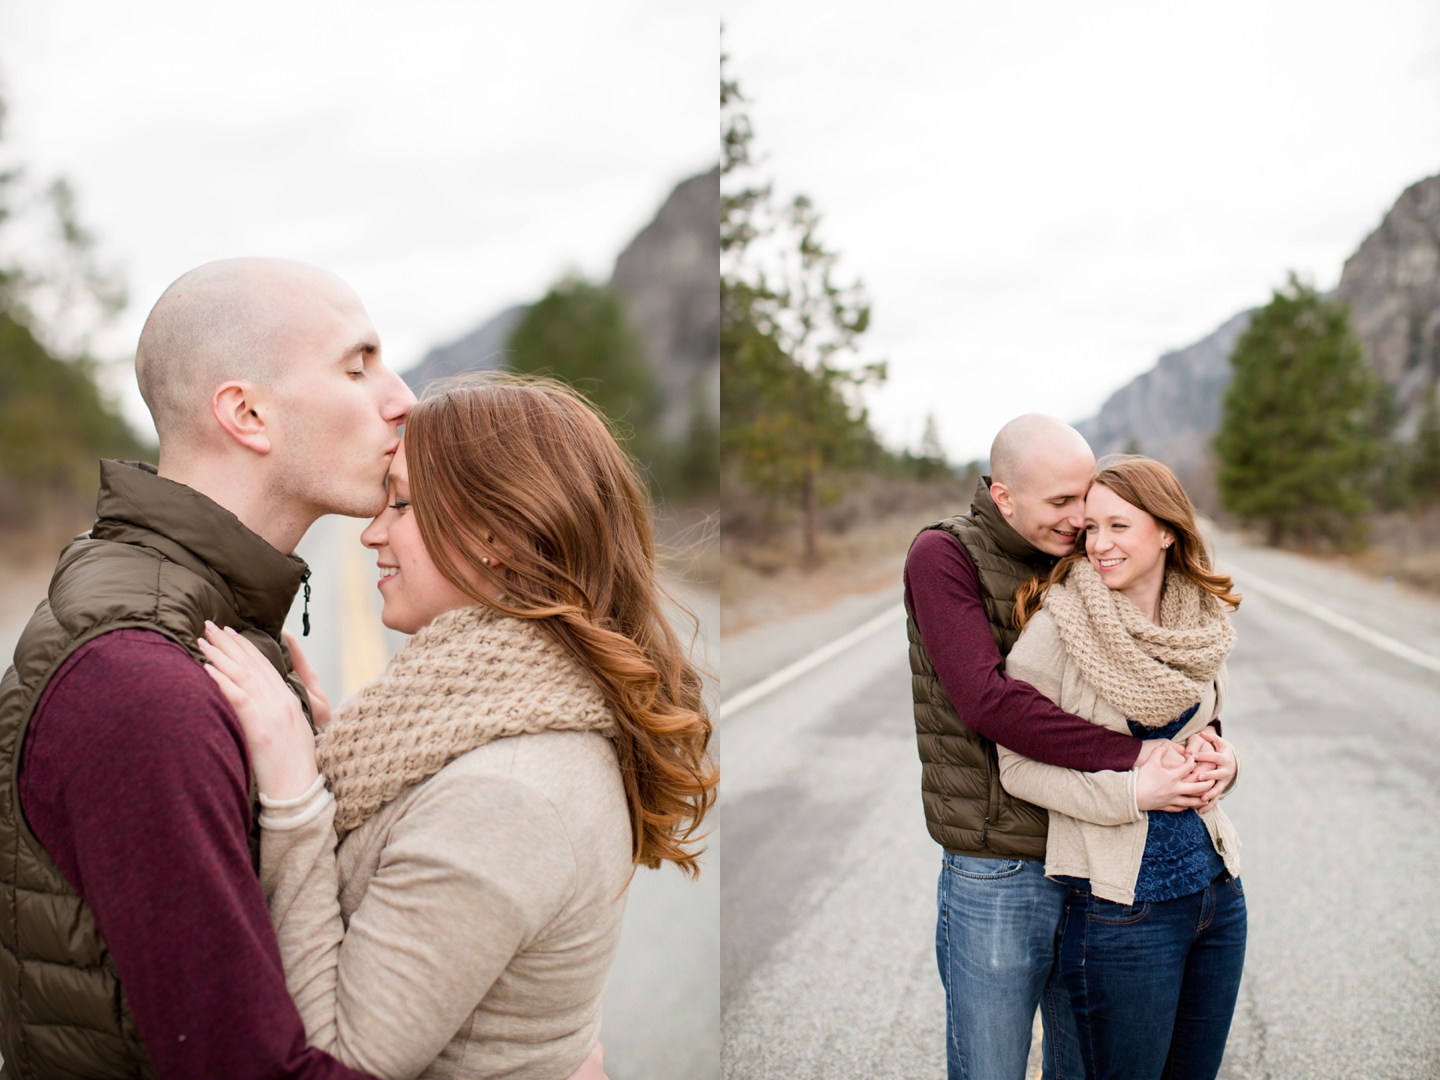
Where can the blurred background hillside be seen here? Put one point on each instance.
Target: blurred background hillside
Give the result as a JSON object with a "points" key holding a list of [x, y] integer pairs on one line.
{"points": [[1046, 227]]}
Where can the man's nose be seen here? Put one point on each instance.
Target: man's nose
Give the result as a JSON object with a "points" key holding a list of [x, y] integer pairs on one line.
{"points": [[399, 399]]}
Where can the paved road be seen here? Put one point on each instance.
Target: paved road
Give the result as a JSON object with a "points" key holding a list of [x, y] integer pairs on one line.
{"points": [[827, 903], [662, 1009]]}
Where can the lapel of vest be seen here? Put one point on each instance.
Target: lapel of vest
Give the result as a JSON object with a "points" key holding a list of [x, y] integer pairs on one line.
{"points": [[137, 506]]}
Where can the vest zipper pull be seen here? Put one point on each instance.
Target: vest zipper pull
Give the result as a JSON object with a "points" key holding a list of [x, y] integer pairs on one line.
{"points": [[305, 614]]}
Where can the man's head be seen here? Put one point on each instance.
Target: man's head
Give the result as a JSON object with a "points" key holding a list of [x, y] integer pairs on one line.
{"points": [[268, 371], [1040, 469]]}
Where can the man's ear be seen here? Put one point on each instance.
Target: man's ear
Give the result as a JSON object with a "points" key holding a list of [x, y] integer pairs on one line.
{"points": [[234, 405], [1003, 501]]}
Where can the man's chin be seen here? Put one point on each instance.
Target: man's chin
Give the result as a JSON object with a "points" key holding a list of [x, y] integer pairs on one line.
{"points": [[1056, 545], [358, 505]]}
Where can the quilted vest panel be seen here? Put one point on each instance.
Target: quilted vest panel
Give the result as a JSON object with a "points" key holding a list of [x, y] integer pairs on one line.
{"points": [[967, 810], [63, 1011]]}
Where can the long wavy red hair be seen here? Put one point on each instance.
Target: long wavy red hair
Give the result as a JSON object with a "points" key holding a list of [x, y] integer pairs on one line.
{"points": [[527, 466], [1152, 487]]}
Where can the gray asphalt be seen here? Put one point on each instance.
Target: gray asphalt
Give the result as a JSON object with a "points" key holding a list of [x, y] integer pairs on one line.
{"points": [[827, 902]]}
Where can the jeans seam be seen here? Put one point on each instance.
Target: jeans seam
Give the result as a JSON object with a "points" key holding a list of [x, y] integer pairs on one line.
{"points": [[1130, 920], [958, 872], [1214, 907], [1082, 1030]]}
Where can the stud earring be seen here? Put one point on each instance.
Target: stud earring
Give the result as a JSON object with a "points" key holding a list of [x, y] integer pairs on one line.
{"points": [[485, 559]]}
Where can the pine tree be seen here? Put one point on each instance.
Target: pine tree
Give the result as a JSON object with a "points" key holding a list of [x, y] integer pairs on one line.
{"points": [[790, 418], [579, 333], [1425, 454], [1296, 441]]}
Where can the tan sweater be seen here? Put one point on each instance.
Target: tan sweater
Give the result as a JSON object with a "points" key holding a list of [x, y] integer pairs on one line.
{"points": [[478, 912], [1096, 830]]}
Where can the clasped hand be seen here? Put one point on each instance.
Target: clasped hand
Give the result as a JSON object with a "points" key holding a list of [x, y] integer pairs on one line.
{"points": [[281, 744], [1170, 778]]}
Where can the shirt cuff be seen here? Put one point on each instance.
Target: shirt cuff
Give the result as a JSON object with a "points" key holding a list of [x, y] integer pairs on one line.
{"points": [[283, 815]]}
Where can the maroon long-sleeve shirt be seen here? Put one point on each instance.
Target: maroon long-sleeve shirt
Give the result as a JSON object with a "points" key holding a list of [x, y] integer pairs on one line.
{"points": [[135, 778], [942, 592]]}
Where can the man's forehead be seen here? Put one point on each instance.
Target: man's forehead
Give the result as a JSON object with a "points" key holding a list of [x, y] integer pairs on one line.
{"points": [[1064, 476]]}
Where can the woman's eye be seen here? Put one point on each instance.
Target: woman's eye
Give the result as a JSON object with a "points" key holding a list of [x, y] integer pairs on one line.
{"points": [[400, 505]]}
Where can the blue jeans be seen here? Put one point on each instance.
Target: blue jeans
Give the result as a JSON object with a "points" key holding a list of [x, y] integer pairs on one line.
{"points": [[1154, 984], [996, 942]]}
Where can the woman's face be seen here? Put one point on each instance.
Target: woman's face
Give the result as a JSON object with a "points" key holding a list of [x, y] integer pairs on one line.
{"points": [[414, 589], [1124, 543]]}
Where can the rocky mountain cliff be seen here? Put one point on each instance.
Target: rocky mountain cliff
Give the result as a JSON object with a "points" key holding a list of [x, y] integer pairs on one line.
{"points": [[483, 349], [669, 277], [1392, 284], [1171, 411]]}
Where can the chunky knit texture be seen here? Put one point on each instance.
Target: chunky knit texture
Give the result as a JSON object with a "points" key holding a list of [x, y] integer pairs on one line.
{"points": [[1151, 673], [467, 678]]}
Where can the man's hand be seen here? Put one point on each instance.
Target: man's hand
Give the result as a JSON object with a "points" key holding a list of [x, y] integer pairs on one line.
{"points": [[1165, 779], [1215, 761]]}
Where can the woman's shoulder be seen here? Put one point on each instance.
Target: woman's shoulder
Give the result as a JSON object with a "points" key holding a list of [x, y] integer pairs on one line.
{"points": [[1040, 641], [554, 791], [539, 755], [572, 772]]}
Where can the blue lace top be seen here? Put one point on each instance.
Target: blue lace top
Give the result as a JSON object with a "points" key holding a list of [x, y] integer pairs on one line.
{"points": [[1179, 858]]}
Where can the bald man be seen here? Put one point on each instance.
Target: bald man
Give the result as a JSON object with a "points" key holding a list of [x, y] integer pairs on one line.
{"points": [[138, 943], [998, 913]]}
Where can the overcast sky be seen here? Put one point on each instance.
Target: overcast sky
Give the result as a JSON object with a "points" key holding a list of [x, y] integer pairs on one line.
{"points": [[446, 158], [1042, 198]]}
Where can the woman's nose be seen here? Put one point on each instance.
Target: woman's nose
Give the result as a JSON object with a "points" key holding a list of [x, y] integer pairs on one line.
{"points": [[375, 533]]}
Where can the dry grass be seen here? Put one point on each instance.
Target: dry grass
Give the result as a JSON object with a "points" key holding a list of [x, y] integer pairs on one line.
{"points": [[761, 581]]}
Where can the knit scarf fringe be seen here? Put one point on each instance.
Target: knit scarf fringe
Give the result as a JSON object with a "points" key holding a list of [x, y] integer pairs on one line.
{"points": [[469, 677], [1151, 673]]}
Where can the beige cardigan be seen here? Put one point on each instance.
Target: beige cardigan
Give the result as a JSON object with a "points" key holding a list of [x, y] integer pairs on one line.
{"points": [[477, 916], [1096, 830]]}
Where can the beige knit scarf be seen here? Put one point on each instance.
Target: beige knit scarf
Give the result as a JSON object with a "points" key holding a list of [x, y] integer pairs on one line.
{"points": [[1150, 673], [469, 677]]}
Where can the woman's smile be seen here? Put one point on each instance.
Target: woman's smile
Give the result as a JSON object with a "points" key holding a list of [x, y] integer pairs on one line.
{"points": [[388, 572]]}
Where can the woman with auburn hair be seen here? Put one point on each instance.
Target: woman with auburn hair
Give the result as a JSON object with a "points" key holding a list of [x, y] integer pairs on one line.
{"points": [[540, 734], [1130, 631]]}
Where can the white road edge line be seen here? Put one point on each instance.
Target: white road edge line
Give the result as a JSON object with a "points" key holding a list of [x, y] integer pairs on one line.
{"points": [[765, 687], [1248, 580]]}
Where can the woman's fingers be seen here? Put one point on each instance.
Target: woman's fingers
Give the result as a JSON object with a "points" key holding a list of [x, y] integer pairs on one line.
{"points": [[246, 646], [233, 693], [301, 661], [222, 660], [319, 700]]}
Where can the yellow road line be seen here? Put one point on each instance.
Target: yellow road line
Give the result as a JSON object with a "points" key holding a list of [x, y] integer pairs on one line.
{"points": [[362, 644]]}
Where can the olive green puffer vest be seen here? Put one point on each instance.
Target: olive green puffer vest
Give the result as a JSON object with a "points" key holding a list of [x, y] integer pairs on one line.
{"points": [[161, 557], [966, 809]]}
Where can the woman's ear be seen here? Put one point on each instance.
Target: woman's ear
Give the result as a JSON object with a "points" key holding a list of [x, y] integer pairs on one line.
{"points": [[499, 553]]}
